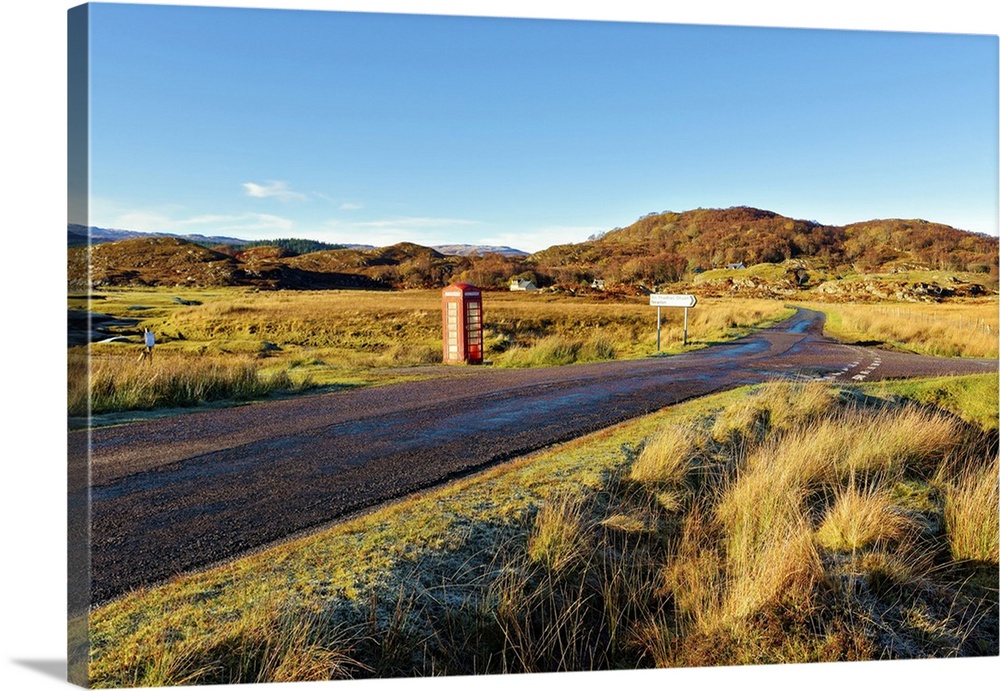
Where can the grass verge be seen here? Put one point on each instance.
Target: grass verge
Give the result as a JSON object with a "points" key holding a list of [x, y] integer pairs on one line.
{"points": [[749, 546]]}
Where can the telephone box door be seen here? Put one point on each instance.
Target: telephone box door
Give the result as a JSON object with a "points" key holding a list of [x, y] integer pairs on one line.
{"points": [[462, 317]]}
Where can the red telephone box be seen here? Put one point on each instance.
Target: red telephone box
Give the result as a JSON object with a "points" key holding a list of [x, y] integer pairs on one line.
{"points": [[462, 317]]}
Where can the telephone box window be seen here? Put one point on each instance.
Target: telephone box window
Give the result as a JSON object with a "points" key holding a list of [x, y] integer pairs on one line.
{"points": [[462, 323]]}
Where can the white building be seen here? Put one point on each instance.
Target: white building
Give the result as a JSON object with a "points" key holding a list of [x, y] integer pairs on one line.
{"points": [[522, 284]]}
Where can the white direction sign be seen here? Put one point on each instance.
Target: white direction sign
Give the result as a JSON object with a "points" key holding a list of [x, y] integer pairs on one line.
{"points": [[667, 300]]}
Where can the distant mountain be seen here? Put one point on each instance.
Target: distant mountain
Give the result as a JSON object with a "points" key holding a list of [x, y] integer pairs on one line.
{"points": [[472, 250], [78, 236]]}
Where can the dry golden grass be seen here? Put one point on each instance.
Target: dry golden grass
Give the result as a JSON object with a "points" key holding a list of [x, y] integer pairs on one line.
{"points": [[952, 329], [558, 539], [856, 442], [266, 643], [543, 330], [667, 457], [972, 517], [119, 383], [759, 548], [363, 337], [773, 408], [694, 578], [785, 568], [860, 518], [891, 441]]}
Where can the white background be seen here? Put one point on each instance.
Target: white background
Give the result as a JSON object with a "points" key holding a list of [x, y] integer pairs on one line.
{"points": [[32, 171]]}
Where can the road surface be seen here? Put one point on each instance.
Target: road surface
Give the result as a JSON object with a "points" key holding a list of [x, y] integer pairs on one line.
{"points": [[179, 493]]}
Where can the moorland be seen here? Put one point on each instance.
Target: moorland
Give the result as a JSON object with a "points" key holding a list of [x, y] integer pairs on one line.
{"points": [[782, 522], [238, 322]]}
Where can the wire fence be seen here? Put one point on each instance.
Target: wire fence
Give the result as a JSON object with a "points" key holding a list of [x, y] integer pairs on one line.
{"points": [[961, 322]]}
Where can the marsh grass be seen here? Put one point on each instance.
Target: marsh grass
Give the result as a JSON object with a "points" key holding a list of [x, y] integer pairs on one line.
{"points": [[558, 350], [538, 335], [118, 383], [773, 408], [338, 338], [558, 538], [267, 643], [822, 536]]}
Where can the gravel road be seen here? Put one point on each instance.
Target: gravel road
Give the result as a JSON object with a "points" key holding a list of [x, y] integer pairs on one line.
{"points": [[175, 494]]}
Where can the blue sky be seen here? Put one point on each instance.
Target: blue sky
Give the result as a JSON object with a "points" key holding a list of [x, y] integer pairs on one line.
{"points": [[34, 177], [379, 128]]}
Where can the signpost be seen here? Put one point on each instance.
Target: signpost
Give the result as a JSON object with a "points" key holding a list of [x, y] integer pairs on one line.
{"points": [[666, 300]]}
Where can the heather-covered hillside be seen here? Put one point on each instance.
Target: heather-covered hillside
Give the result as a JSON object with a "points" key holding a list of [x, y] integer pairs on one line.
{"points": [[712, 251], [666, 247]]}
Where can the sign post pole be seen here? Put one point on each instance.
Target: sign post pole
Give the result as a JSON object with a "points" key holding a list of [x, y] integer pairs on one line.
{"points": [[657, 328], [664, 300]]}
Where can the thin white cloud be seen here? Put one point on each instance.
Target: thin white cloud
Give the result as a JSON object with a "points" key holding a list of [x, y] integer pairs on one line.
{"points": [[430, 231], [248, 226], [422, 230], [541, 238], [276, 189], [341, 204], [257, 226]]}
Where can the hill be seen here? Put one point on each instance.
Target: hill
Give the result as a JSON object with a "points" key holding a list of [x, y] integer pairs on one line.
{"points": [[173, 261], [740, 250], [667, 247]]}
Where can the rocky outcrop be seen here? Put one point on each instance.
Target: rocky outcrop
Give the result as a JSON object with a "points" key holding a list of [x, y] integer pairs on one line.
{"points": [[878, 290]]}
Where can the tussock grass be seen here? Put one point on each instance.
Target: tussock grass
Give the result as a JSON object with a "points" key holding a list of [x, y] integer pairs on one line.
{"points": [[268, 643], [785, 568], [117, 383], [558, 539], [694, 578], [971, 511], [891, 442], [667, 457], [854, 442], [773, 407], [845, 526], [860, 518], [537, 337], [558, 350]]}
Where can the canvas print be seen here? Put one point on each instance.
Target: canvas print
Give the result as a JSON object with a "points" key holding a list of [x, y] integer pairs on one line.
{"points": [[412, 345]]}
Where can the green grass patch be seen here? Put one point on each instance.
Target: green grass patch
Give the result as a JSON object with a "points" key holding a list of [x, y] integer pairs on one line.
{"points": [[973, 397]]}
